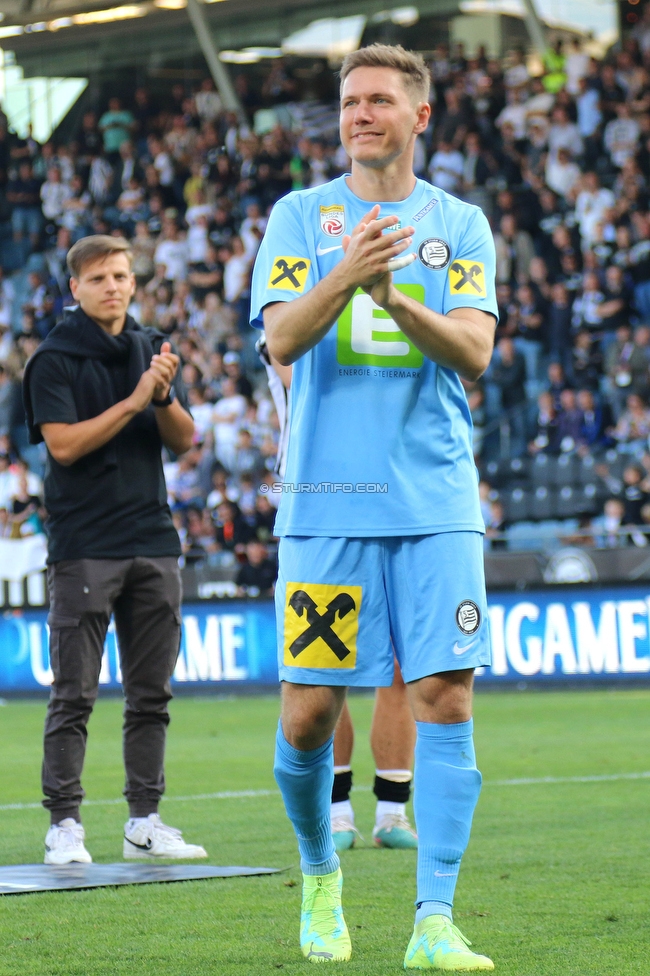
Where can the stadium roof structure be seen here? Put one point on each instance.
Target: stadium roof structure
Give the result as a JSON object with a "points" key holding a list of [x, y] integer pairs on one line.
{"points": [[73, 39]]}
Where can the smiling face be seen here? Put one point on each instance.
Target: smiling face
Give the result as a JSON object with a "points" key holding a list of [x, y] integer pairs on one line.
{"points": [[379, 117], [104, 289]]}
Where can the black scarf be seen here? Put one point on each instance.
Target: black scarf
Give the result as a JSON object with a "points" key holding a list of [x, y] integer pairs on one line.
{"points": [[79, 336]]}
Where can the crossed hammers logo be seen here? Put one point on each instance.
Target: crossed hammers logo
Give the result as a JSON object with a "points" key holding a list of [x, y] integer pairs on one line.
{"points": [[288, 272], [467, 277], [320, 624]]}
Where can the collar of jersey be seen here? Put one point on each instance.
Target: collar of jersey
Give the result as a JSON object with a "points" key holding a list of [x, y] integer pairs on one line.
{"points": [[413, 202]]}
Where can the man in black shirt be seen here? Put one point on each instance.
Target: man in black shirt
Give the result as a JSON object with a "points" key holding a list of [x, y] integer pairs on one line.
{"points": [[104, 395], [23, 193], [259, 573]]}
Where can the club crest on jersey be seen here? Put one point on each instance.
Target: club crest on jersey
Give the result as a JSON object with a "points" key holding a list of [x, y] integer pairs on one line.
{"points": [[332, 220], [434, 253], [467, 278], [289, 273], [468, 617]]}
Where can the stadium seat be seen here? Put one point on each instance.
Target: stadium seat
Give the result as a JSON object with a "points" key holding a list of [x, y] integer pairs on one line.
{"points": [[516, 504], [588, 499], [566, 470], [585, 469], [616, 462], [504, 473], [543, 503], [517, 469], [567, 501], [543, 470]]}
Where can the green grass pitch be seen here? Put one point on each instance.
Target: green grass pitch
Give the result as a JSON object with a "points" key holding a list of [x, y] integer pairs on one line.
{"points": [[555, 880]]}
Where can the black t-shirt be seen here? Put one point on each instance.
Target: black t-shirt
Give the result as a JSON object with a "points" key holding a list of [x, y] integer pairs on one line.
{"points": [[121, 512], [262, 577], [29, 191]]}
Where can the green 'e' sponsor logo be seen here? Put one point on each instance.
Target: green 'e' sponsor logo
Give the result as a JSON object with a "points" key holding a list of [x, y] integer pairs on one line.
{"points": [[368, 336]]}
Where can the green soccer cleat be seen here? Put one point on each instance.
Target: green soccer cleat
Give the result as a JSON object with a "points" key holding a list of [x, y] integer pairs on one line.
{"points": [[344, 833], [396, 832], [437, 944], [324, 936]]}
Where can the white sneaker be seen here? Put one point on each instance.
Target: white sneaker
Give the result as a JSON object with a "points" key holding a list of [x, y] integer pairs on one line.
{"points": [[149, 837], [64, 843]]}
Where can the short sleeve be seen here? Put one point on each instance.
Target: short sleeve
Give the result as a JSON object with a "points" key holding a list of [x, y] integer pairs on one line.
{"points": [[471, 275], [283, 269], [51, 391]]}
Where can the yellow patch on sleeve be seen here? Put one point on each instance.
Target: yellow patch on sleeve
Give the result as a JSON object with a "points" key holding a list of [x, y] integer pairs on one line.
{"points": [[289, 273], [467, 278], [321, 623]]}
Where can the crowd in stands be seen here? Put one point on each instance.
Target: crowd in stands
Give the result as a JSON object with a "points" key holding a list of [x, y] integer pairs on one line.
{"points": [[560, 164]]}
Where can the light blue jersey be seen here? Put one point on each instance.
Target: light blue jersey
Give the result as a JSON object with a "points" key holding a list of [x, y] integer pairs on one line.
{"points": [[381, 436]]}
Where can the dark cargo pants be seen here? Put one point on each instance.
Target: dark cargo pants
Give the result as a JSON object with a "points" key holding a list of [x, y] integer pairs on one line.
{"points": [[144, 596]]}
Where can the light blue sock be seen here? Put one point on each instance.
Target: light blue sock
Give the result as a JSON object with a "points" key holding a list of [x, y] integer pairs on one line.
{"points": [[305, 780], [447, 786]]}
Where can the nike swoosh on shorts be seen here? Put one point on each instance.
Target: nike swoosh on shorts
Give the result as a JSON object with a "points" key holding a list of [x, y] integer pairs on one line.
{"points": [[457, 649]]}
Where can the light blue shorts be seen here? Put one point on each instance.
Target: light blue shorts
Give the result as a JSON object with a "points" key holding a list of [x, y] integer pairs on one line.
{"points": [[342, 605]]}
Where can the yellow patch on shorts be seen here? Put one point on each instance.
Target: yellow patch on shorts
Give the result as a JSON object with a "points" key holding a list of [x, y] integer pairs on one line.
{"points": [[321, 623]]}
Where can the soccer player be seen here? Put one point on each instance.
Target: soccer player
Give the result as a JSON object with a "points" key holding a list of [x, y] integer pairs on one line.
{"points": [[379, 521]]}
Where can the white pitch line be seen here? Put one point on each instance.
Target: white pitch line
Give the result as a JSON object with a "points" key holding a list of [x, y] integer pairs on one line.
{"points": [[609, 778], [227, 795], [252, 794]]}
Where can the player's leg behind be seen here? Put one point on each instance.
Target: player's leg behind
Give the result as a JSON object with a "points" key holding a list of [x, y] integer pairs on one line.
{"points": [[344, 831], [392, 741], [441, 635]]}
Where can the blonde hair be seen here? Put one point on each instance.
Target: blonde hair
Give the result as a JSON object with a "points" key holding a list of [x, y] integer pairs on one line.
{"points": [[95, 247], [417, 80]]}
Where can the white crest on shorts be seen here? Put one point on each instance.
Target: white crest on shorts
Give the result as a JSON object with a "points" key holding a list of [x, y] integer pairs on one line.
{"points": [[468, 617]]}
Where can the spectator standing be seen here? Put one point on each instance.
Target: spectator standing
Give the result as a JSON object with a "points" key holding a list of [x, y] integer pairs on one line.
{"points": [[514, 249], [171, 251], [591, 204], [23, 193], [446, 167], [89, 392], [54, 195], [236, 280], [116, 126], [508, 373]]}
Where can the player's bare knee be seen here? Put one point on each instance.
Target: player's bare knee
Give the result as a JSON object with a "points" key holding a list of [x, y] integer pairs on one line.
{"points": [[310, 714], [444, 698]]}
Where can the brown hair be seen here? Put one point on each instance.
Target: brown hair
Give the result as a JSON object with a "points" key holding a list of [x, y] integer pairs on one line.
{"points": [[94, 248], [417, 80]]}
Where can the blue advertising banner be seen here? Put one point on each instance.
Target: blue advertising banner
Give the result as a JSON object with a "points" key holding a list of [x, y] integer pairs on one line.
{"points": [[571, 634]]}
